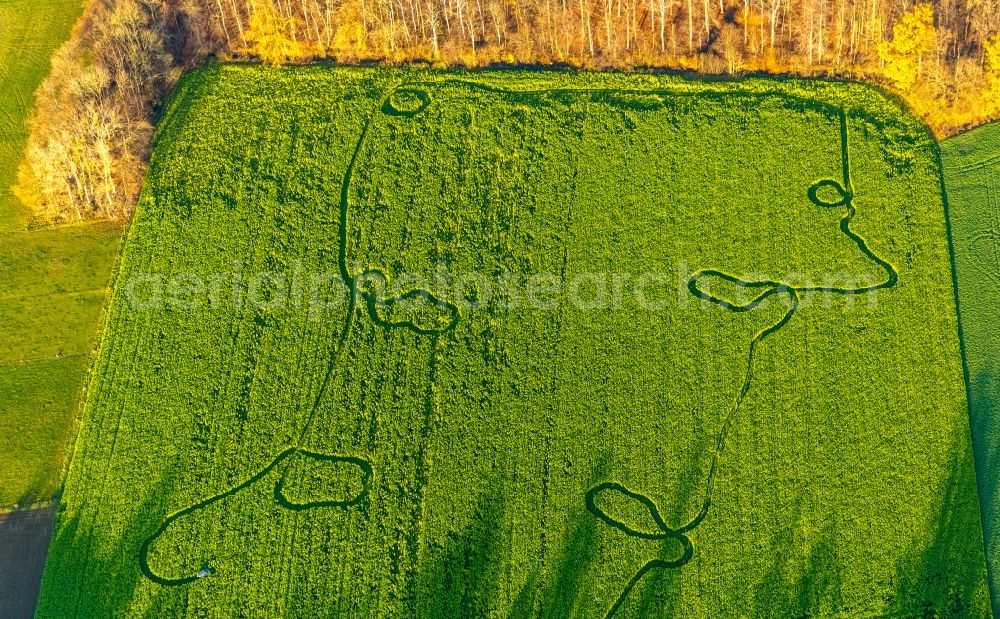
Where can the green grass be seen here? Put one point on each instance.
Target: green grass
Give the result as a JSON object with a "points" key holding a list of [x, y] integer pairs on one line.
{"points": [[40, 399], [53, 287], [972, 174], [53, 290], [52, 282], [784, 432]]}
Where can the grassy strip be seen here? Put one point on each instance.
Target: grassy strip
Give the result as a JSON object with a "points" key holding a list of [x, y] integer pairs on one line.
{"points": [[972, 175]]}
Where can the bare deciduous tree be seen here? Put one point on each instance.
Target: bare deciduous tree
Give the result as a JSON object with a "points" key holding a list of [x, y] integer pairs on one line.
{"points": [[90, 134]]}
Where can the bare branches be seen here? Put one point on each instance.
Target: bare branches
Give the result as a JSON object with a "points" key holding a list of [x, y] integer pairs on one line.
{"points": [[90, 134]]}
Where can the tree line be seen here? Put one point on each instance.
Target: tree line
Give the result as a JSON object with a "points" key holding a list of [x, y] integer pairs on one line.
{"points": [[91, 131]]}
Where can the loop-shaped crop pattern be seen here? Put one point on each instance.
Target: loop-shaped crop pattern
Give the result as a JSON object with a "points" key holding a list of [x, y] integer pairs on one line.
{"points": [[829, 183], [379, 305], [408, 100], [363, 466], [663, 532], [375, 305], [763, 289]]}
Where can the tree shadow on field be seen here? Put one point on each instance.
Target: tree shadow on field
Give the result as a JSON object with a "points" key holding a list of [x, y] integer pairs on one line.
{"points": [[655, 594], [942, 574], [33, 495], [984, 410], [558, 593], [91, 574], [942, 577], [947, 576], [797, 585], [658, 593], [24, 540], [557, 597], [465, 580]]}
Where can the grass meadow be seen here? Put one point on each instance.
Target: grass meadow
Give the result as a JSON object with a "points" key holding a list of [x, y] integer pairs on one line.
{"points": [[53, 282]]}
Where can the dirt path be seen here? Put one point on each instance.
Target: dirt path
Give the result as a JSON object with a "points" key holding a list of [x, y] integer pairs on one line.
{"points": [[24, 542]]}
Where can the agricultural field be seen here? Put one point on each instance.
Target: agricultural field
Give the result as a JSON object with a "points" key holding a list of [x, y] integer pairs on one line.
{"points": [[972, 174], [53, 285], [410, 343], [24, 535], [53, 282]]}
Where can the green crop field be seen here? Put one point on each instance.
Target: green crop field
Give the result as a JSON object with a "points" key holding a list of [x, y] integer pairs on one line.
{"points": [[53, 282], [972, 172], [514, 344]]}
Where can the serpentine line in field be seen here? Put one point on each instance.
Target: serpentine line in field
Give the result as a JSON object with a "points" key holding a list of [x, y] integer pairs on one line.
{"points": [[375, 305]]}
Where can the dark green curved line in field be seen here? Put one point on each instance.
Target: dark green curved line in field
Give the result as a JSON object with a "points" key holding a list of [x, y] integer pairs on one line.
{"points": [[372, 305], [661, 92], [591, 501], [373, 302], [391, 109], [651, 565], [362, 464], [280, 497], [770, 288], [376, 302], [775, 287]]}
